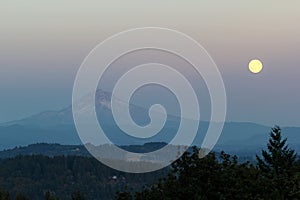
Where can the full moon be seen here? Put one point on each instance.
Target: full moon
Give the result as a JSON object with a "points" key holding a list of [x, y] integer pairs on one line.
{"points": [[255, 66]]}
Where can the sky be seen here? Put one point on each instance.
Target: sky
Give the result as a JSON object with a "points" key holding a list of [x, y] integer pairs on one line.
{"points": [[43, 43]]}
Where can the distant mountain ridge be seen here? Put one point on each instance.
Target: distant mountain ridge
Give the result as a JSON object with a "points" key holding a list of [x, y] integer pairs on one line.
{"points": [[58, 127]]}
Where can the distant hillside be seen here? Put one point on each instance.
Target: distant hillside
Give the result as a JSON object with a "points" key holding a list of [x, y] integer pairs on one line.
{"points": [[58, 127], [235, 136], [45, 149], [52, 150]]}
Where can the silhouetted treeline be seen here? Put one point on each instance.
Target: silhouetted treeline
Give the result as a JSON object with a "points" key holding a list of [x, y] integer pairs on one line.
{"points": [[276, 176], [71, 177]]}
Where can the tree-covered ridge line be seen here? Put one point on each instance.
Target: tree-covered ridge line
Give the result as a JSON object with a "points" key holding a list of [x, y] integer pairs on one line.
{"points": [[275, 175], [51, 150], [55, 149]]}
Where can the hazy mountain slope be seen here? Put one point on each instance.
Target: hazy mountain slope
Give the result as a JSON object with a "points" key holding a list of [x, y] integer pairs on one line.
{"points": [[58, 127]]}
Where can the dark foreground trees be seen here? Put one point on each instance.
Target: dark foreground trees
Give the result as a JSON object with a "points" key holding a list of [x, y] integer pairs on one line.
{"points": [[278, 166], [38, 177], [276, 176]]}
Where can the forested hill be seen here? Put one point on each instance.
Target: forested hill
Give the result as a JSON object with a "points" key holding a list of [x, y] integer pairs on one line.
{"points": [[46, 150], [38, 177], [33, 176], [68, 175], [73, 150], [52, 150]]}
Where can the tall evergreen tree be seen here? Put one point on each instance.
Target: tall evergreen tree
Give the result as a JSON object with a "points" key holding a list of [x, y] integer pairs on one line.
{"points": [[279, 158], [276, 165]]}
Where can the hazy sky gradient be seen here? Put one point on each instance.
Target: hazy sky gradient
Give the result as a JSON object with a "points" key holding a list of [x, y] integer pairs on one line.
{"points": [[44, 42]]}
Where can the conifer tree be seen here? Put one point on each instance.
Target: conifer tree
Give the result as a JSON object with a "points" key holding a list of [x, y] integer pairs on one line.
{"points": [[276, 164], [279, 158]]}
